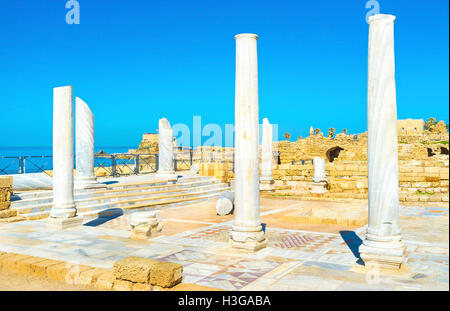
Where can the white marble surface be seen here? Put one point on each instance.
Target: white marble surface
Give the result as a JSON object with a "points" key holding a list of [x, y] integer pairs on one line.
{"points": [[165, 144], [63, 203], [84, 145], [246, 230], [383, 236], [266, 151], [319, 170]]}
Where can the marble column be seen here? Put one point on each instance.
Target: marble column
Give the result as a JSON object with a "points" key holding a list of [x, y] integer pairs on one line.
{"points": [[320, 183], [266, 180], [382, 243], [84, 146], [319, 170], [165, 153], [63, 213], [246, 232]]}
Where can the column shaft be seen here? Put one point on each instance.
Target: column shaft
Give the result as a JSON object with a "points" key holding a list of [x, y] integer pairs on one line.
{"points": [[383, 239], [63, 203], [165, 152], [246, 230], [84, 146]]}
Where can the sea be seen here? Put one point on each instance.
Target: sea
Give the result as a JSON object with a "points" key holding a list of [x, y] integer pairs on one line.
{"points": [[40, 158]]}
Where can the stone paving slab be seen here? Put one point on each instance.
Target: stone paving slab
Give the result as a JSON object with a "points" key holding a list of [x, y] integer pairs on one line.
{"points": [[294, 259]]}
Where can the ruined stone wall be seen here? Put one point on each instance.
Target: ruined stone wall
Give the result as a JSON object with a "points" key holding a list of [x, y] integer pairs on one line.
{"points": [[426, 181]]}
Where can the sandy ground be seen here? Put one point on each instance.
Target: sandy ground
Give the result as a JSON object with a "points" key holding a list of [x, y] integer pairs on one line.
{"points": [[14, 282]]}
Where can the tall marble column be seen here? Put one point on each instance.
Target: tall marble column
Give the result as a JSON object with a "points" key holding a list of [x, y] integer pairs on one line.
{"points": [[84, 147], [266, 180], [246, 232], [165, 153], [382, 243], [63, 213]]}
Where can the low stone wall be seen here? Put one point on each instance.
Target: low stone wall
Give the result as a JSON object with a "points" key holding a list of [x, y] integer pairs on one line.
{"points": [[424, 181], [129, 274]]}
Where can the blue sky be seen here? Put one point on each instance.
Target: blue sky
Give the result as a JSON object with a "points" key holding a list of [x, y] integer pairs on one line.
{"points": [[137, 61]]}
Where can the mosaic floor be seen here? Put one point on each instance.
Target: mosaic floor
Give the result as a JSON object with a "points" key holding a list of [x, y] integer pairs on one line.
{"points": [[323, 259]]}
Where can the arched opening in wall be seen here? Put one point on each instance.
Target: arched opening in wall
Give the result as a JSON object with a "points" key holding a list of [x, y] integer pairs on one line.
{"points": [[333, 153], [444, 150], [430, 152]]}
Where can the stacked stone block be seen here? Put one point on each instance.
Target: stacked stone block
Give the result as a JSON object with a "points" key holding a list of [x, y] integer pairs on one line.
{"points": [[6, 213]]}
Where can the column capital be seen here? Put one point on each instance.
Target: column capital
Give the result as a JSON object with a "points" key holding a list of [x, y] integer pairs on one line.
{"points": [[382, 18], [246, 35]]}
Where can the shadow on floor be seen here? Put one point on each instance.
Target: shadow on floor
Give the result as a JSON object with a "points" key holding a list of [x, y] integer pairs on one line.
{"points": [[353, 242], [110, 182], [105, 216]]}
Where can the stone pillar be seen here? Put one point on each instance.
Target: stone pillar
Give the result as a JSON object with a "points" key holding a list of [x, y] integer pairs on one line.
{"points": [[320, 183], [84, 146], [246, 232], [266, 180], [165, 153], [63, 213], [382, 243]]}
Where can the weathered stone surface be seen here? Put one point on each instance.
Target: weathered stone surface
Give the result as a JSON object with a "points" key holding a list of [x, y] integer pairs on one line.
{"points": [[121, 285], [89, 277], [40, 268], [166, 274], [144, 224], [105, 280], [134, 269], [149, 271], [4, 205], [6, 213], [225, 203], [141, 287]]}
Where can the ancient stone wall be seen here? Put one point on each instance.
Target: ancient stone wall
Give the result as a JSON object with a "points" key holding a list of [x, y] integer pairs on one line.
{"points": [[426, 181]]}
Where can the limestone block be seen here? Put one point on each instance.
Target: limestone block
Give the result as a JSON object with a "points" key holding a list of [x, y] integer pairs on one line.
{"points": [[39, 269], [134, 269], [90, 277], [105, 280], [6, 213], [141, 287], [166, 274], [4, 205], [121, 285], [23, 267], [8, 263]]}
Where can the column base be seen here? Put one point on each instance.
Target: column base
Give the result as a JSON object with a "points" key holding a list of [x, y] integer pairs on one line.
{"points": [[87, 183], [67, 210], [266, 184], [247, 240], [388, 252], [319, 187], [169, 175], [64, 223]]}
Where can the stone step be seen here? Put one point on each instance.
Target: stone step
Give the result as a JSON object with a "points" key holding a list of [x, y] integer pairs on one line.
{"points": [[36, 202], [114, 198], [49, 193], [96, 210], [148, 206]]}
